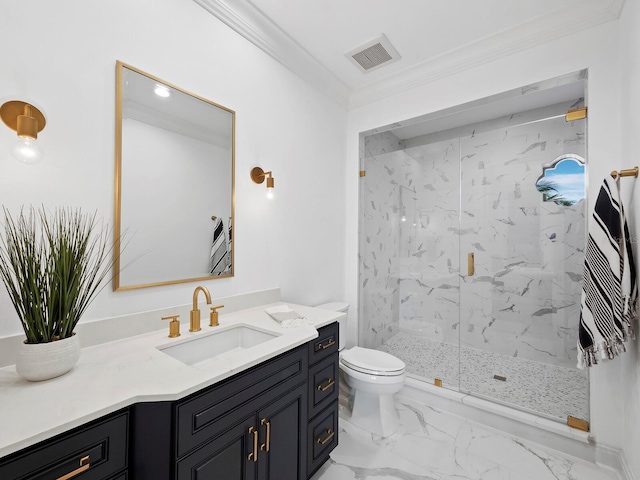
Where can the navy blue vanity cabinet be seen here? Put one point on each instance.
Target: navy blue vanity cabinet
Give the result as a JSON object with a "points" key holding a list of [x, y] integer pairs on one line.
{"points": [[275, 421], [265, 446], [122, 476], [252, 426], [96, 451], [322, 430]]}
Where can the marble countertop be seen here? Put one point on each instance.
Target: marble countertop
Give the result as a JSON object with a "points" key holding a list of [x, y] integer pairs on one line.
{"points": [[117, 374]]}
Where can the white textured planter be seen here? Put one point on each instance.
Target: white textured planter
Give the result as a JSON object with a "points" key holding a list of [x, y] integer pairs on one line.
{"points": [[42, 361]]}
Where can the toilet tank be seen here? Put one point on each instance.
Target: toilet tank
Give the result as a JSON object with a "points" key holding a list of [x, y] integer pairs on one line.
{"points": [[342, 326]]}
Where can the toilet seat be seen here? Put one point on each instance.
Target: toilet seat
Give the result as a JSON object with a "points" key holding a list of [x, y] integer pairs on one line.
{"points": [[372, 362]]}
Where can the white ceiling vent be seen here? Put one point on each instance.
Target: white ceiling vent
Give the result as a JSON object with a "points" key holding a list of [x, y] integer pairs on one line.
{"points": [[373, 54]]}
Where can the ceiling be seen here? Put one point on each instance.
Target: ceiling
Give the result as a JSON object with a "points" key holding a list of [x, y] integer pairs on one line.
{"points": [[433, 38]]}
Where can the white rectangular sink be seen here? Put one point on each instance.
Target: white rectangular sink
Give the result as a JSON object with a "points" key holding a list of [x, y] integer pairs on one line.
{"points": [[207, 347]]}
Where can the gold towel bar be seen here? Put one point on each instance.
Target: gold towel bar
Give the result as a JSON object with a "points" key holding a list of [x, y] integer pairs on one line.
{"points": [[632, 172]]}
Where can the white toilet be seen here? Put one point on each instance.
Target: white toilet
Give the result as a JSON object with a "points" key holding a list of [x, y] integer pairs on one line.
{"points": [[374, 377]]}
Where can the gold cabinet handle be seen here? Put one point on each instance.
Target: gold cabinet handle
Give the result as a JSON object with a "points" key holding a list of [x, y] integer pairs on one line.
{"points": [[471, 264], [330, 434], [265, 446], [324, 388], [254, 455], [330, 343], [84, 466]]}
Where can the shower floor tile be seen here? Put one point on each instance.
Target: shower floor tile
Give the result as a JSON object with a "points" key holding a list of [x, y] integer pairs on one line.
{"points": [[549, 390], [435, 445]]}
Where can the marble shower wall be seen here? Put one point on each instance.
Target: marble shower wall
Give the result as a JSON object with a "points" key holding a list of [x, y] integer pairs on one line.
{"points": [[429, 273], [380, 248], [473, 193], [524, 298]]}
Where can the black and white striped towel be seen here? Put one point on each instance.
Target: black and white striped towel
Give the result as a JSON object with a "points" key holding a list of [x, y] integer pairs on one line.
{"points": [[609, 290], [219, 258]]}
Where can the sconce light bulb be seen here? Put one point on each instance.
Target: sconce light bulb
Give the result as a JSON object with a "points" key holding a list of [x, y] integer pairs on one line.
{"points": [[27, 150], [270, 193], [403, 218]]}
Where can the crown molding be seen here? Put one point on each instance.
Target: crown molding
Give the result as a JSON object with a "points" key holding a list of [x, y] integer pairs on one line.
{"points": [[258, 29], [537, 31], [252, 24]]}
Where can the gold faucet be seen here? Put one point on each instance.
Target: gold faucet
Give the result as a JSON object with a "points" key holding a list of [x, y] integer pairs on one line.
{"points": [[174, 325], [213, 316], [194, 325]]}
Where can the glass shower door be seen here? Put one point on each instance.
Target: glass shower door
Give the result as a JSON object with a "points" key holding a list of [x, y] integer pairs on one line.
{"points": [[409, 269], [523, 249]]}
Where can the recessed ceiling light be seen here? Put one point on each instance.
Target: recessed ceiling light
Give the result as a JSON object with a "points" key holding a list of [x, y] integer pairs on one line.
{"points": [[162, 91]]}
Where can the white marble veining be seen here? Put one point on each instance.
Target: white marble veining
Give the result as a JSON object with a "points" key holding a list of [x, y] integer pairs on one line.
{"points": [[425, 207], [434, 445], [114, 375], [550, 390], [524, 297]]}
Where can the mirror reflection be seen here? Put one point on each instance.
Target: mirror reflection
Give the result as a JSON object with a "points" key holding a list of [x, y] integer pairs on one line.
{"points": [[174, 184]]}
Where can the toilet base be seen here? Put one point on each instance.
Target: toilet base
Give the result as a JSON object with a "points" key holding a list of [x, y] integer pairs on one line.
{"points": [[375, 413]]}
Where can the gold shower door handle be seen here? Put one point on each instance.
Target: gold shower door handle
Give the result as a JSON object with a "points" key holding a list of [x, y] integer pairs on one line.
{"points": [[471, 264]]}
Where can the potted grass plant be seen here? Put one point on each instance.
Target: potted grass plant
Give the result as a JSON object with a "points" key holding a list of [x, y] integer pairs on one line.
{"points": [[53, 265]]}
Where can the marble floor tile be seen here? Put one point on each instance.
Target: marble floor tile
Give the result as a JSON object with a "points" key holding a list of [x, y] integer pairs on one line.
{"points": [[435, 445]]}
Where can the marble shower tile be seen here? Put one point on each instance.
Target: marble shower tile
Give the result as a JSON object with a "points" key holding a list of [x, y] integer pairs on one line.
{"points": [[549, 390]]}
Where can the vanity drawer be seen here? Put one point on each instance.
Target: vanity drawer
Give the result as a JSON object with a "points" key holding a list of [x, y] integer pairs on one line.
{"points": [[323, 385], [323, 437], [96, 452], [219, 408], [325, 344]]}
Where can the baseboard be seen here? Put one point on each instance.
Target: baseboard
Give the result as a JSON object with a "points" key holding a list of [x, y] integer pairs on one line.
{"points": [[618, 457]]}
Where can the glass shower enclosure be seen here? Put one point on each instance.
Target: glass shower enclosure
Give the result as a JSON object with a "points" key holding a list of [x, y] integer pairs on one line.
{"points": [[471, 249]]}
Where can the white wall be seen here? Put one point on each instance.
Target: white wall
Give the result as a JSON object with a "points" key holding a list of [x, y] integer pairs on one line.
{"points": [[62, 56], [629, 133], [595, 49]]}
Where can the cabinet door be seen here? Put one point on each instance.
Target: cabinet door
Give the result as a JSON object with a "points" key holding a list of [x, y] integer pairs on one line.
{"points": [[226, 457], [282, 431]]}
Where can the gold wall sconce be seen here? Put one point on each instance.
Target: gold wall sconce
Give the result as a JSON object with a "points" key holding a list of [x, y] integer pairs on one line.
{"points": [[258, 175], [26, 120]]}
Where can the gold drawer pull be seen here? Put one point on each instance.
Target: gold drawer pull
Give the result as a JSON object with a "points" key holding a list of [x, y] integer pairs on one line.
{"points": [[324, 388], [84, 466], [254, 455], [330, 343], [265, 445], [330, 435]]}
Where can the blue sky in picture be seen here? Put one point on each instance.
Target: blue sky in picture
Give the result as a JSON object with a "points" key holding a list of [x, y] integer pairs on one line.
{"points": [[568, 178]]}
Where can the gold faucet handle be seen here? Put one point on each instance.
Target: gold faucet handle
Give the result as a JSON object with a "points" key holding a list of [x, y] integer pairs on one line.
{"points": [[174, 325], [213, 316]]}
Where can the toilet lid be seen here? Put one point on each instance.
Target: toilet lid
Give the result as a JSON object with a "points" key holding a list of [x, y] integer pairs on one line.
{"points": [[374, 362]]}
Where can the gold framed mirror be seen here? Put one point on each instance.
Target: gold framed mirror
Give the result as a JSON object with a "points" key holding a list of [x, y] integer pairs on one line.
{"points": [[174, 184]]}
